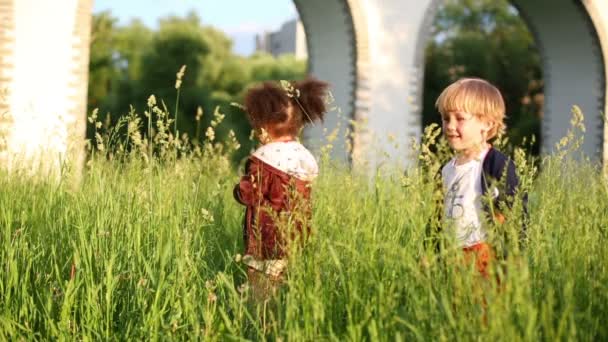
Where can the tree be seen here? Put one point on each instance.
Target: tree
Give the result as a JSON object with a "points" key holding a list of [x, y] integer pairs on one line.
{"points": [[102, 71], [130, 63]]}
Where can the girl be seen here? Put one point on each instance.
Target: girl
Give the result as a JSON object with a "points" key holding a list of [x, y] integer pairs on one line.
{"points": [[276, 186]]}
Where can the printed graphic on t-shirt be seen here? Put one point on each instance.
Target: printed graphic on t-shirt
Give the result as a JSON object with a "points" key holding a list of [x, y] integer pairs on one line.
{"points": [[455, 208], [462, 202], [454, 200]]}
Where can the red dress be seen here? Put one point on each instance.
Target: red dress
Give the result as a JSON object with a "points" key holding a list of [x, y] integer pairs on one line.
{"points": [[278, 209]]}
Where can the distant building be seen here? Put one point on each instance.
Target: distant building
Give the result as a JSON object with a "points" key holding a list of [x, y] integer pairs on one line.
{"points": [[289, 39]]}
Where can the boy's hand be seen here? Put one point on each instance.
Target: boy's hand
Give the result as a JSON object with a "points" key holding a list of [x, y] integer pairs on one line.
{"points": [[499, 217]]}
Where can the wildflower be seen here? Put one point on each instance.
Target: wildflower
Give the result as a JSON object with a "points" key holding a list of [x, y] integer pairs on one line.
{"points": [[238, 258], [238, 105], [211, 297], [99, 141], [264, 135], [406, 182], [159, 112], [563, 142], [577, 118], [329, 99], [180, 74], [142, 282], [93, 116], [217, 117], [290, 89], [151, 101], [133, 126], [136, 138], [333, 135], [210, 133], [144, 156], [199, 113], [207, 216], [243, 288], [233, 140]]}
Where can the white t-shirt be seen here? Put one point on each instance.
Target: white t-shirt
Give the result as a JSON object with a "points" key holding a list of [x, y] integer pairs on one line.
{"points": [[290, 157], [464, 214]]}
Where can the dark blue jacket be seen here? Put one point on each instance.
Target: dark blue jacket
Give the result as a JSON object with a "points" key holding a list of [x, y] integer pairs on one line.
{"points": [[493, 166], [493, 171]]}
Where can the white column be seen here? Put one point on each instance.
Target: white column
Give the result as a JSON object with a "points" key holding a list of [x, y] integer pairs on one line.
{"points": [[46, 66], [397, 32], [331, 58], [598, 11]]}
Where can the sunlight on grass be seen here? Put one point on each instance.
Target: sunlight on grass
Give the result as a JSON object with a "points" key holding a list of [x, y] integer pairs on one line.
{"points": [[147, 248]]}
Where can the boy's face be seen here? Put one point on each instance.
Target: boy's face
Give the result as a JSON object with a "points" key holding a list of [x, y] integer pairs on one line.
{"points": [[465, 132]]}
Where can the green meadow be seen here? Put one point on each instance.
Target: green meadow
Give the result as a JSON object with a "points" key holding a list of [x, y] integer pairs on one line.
{"points": [[146, 246]]}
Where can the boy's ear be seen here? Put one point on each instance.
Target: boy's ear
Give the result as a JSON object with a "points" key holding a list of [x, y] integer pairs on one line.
{"points": [[487, 126]]}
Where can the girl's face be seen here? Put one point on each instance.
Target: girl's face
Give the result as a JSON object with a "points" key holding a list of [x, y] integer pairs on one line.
{"points": [[466, 133]]}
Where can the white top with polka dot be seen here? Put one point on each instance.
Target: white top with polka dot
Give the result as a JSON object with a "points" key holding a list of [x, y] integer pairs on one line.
{"points": [[290, 157]]}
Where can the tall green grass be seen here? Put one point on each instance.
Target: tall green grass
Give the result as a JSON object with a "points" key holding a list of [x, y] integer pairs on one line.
{"points": [[146, 248]]}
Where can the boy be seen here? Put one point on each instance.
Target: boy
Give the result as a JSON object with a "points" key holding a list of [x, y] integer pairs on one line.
{"points": [[472, 113]]}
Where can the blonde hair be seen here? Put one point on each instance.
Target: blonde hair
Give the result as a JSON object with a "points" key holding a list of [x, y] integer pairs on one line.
{"points": [[475, 96]]}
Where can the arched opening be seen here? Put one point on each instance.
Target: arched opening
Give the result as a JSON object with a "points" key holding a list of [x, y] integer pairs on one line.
{"points": [[574, 69], [490, 40], [337, 53]]}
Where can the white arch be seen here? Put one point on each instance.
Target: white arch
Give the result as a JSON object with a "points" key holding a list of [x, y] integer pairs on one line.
{"points": [[332, 56], [573, 69], [598, 11]]}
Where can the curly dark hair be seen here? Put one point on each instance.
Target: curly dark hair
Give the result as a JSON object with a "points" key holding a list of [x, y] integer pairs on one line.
{"points": [[285, 111]]}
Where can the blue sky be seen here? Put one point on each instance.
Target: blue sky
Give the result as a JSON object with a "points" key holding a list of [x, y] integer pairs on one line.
{"points": [[240, 19]]}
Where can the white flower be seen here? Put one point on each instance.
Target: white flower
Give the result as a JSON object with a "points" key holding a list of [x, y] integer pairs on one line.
{"points": [[151, 101], [180, 74], [210, 134]]}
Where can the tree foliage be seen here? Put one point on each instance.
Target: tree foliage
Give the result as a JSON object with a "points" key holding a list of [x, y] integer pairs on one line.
{"points": [[129, 63]]}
